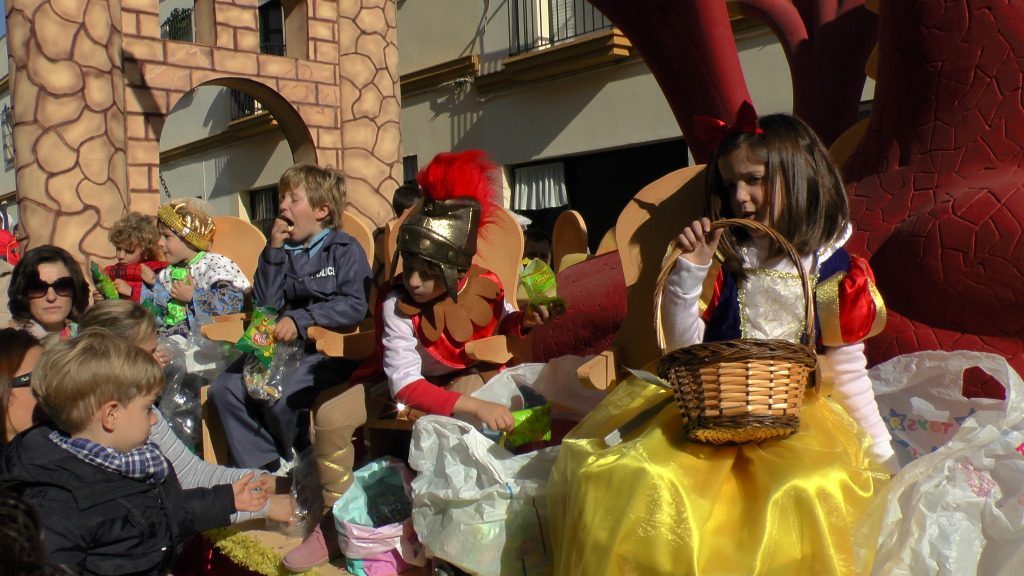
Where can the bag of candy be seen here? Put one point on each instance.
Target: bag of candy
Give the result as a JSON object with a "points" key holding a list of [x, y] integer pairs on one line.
{"points": [[258, 338], [538, 280], [268, 362]]}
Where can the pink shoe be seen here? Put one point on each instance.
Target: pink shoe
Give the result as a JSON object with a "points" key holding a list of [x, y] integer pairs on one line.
{"points": [[314, 550]]}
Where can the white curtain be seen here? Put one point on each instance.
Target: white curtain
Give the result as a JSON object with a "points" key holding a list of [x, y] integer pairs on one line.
{"points": [[541, 186]]}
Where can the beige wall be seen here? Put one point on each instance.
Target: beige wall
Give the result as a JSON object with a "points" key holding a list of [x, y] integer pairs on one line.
{"points": [[613, 107], [217, 176], [433, 31]]}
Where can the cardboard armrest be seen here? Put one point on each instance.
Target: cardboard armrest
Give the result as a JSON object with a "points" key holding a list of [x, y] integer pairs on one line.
{"points": [[354, 345], [493, 349], [600, 372], [322, 333], [228, 330]]}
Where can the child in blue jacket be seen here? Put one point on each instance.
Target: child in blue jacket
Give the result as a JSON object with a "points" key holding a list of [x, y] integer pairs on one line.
{"points": [[313, 274]]}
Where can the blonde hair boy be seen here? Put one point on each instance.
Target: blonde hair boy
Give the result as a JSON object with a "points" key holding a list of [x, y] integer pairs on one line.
{"points": [[76, 378], [324, 187], [109, 500]]}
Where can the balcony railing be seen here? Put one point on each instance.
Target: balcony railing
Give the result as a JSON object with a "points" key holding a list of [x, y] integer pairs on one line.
{"points": [[243, 105], [275, 48], [178, 26], [536, 24]]}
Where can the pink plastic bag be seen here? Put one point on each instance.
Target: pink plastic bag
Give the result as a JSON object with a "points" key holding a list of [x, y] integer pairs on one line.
{"points": [[375, 530]]}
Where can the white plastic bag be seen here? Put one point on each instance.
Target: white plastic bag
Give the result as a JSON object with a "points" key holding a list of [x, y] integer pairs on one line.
{"points": [[919, 398], [557, 381], [957, 510], [477, 505]]}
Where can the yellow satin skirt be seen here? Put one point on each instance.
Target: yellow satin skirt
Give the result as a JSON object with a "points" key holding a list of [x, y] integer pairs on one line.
{"points": [[659, 504]]}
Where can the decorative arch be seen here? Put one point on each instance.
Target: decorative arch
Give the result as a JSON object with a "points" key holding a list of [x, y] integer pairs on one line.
{"points": [[296, 133]]}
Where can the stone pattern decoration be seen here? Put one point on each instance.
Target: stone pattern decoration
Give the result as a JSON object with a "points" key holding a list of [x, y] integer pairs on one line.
{"points": [[93, 84], [370, 103], [937, 184], [69, 125]]}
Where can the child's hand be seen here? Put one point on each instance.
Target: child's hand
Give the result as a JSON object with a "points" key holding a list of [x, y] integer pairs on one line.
{"points": [[285, 330], [97, 295], [279, 233], [162, 356], [123, 288], [541, 314], [281, 509], [494, 416], [698, 242], [251, 495], [147, 274], [182, 290]]}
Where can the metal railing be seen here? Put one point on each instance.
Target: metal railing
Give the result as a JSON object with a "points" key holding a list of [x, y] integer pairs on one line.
{"points": [[263, 208], [242, 104], [178, 26], [536, 24], [275, 48]]}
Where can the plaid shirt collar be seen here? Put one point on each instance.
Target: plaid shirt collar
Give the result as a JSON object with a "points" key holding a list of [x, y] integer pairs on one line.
{"points": [[146, 463]]}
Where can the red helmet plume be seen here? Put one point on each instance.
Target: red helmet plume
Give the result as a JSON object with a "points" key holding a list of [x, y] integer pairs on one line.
{"points": [[470, 173]]}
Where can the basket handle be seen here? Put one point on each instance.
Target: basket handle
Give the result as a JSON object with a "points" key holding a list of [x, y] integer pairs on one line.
{"points": [[676, 251]]}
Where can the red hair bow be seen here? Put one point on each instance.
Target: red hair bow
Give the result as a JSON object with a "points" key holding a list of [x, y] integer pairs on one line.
{"points": [[711, 131]]}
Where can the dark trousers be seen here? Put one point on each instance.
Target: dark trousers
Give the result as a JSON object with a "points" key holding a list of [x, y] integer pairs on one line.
{"points": [[259, 433]]}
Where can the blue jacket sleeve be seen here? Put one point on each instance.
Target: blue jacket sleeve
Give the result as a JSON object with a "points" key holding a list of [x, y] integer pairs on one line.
{"points": [[268, 283], [348, 304]]}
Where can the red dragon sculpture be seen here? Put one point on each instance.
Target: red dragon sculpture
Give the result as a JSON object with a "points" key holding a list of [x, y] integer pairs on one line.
{"points": [[935, 184]]}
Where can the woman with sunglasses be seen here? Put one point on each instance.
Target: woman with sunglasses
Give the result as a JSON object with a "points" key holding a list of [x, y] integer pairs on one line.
{"points": [[47, 293], [19, 352]]}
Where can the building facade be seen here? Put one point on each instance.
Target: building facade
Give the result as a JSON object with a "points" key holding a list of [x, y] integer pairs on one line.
{"points": [[557, 96]]}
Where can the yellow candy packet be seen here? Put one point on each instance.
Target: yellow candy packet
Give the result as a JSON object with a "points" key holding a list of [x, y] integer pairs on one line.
{"points": [[538, 280]]}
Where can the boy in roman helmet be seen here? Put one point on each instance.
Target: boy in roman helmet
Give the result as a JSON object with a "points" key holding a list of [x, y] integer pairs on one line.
{"points": [[424, 318]]}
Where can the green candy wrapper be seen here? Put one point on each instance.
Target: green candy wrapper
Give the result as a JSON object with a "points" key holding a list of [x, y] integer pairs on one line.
{"points": [[538, 280], [531, 425], [259, 336], [103, 282]]}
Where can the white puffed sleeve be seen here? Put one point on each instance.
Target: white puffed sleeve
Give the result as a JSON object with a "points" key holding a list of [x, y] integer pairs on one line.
{"points": [[680, 311]]}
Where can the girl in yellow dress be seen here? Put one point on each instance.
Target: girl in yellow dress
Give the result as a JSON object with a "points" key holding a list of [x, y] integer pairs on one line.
{"points": [[657, 503]]}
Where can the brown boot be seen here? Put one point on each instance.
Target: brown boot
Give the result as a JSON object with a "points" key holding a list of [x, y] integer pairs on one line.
{"points": [[333, 424]]}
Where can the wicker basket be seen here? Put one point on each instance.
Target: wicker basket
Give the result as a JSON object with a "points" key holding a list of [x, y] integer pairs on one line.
{"points": [[743, 390]]}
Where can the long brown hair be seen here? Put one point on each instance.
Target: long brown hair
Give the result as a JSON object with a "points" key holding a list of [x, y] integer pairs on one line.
{"points": [[800, 178], [14, 345]]}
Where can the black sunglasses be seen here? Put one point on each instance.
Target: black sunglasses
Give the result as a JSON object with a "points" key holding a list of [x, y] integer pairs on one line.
{"points": [[64, 286], [21, 381]]}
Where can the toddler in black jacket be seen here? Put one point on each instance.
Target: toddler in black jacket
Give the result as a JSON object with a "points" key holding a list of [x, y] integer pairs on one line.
{"points": [[109, 501]]}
